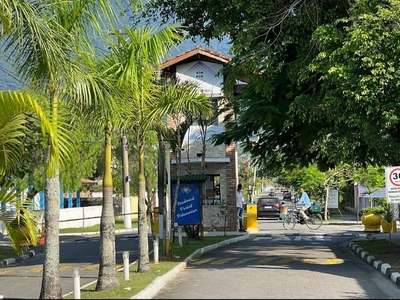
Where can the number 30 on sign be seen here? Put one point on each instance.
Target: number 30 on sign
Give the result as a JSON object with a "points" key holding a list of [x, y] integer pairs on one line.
{"points": [[392, 178]]}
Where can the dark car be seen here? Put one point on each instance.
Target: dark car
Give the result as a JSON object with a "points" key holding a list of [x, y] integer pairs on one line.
{"points": [[268, 207], [286, 198], [286, 195]]}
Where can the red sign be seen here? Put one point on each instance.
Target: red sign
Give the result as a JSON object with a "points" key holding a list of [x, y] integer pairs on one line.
{"points": [[394, 176]]}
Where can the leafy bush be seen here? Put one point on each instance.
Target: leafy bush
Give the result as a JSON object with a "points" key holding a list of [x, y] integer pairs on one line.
{"points": [[373, 210], [388, 215]]}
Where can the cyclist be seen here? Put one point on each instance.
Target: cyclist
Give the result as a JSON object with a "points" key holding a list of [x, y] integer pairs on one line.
{"points": [[306, 203]]}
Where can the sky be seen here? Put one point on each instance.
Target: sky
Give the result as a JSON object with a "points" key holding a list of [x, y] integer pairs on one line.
{"points": [[10, 81]]}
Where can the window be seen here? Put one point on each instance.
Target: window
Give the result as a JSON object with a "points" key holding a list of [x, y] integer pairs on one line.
{"points": [[212, 190]]}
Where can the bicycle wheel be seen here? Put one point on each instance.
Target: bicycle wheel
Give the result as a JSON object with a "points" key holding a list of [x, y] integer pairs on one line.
{"points": [[288, 222], [314, 221]]}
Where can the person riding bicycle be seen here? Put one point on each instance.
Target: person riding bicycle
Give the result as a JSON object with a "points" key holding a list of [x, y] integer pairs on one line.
{"points": [[306, 203]]}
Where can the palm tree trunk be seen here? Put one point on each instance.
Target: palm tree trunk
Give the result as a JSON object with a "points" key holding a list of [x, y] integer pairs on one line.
{"points": [[107, 278], [176, 194], [144, 259], [51, 285], [161, 175]]}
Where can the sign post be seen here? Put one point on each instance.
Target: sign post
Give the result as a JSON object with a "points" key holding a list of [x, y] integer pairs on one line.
{"points": [[392, 178], [188, 210]]}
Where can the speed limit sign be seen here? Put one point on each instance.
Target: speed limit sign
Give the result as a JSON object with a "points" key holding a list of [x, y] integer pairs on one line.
{"points": [[392, 177]]}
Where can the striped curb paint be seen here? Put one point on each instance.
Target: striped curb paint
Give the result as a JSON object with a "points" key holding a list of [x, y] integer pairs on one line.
{"points": [[9, 261], [382, 267]]}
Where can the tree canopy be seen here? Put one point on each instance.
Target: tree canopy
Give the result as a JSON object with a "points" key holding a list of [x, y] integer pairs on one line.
{"points": [[322, 77]]}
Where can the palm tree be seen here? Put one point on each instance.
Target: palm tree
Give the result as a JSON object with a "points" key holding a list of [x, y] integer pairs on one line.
{"points": [[45, 37], [180, 101], [129, 69], [139, 57], [105, 116]]}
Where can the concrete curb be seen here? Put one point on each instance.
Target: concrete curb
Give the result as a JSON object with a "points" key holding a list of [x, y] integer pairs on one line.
{"points": [[382, 267], [9, 261], [161, 281]]}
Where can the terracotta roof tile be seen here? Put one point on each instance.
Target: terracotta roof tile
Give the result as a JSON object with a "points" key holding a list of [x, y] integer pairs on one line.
{"points": [[198, 50]]}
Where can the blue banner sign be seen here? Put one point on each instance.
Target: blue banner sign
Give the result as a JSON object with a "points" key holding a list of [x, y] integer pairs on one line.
{"points": [[188, 204]]}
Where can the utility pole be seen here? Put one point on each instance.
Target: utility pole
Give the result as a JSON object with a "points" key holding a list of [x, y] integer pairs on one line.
{"points": [[126, 198], [168, 202]]}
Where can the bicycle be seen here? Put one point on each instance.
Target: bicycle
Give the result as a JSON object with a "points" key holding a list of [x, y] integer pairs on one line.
{"points": [[313, 222]]}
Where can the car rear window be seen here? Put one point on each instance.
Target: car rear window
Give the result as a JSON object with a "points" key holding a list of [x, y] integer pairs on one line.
{"points": [[265, 201]]}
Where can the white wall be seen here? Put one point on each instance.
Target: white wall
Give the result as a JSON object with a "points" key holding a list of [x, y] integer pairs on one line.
{"points": [[80, 216]]}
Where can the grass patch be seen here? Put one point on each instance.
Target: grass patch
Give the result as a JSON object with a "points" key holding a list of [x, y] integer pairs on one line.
{"points": [[379, 246], [7, 252], [119, 224], [383, 250], [139, 281]]}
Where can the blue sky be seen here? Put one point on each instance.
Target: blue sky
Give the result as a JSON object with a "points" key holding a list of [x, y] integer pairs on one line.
{"points": [[9, 81]]}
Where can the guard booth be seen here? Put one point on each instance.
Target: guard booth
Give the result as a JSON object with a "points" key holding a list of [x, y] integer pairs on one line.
{"points": [[250, 217]]}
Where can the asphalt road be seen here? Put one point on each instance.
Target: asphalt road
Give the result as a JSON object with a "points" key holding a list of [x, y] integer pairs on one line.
{"points": [[273, 263], [75, 251], [280, 264]]}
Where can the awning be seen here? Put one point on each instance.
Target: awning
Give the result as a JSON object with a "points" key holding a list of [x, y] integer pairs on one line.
{"points": [[190, 178]]}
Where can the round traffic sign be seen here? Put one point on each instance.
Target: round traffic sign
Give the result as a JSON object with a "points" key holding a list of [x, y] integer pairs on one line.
{"points": [[394, 176]]}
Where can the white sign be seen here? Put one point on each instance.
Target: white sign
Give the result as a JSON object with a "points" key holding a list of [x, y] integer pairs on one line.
{"points": [[333, 198], [392, 178]]}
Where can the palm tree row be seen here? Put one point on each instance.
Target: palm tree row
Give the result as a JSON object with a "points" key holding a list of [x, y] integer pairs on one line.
{"points": [[50, 44]]}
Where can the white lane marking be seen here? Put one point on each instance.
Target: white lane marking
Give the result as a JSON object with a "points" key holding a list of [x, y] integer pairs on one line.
{"points": [[295, 238]]}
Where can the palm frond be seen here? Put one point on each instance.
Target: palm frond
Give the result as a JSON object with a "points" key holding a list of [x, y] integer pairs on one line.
{"points": [[15, 107], [182, 99], [20, 223]]}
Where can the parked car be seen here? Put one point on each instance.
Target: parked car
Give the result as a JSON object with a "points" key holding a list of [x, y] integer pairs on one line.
{"points": [[268, 206]]}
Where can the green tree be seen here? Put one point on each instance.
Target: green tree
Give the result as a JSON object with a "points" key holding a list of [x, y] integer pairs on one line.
{"points": [[105, 115], [177, 101], [310, 178], [45, 39], [18, 111], [322, 91], [135, 61], [373, 177], [357, 67]]}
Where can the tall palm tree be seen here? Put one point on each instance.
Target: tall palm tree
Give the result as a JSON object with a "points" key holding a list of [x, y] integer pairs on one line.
{"points": [[129, 69], [179, 101], [138, 56], [105, 116], [45, 37]]}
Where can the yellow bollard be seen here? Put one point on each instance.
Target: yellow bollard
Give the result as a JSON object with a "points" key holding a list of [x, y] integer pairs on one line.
{"points": [[156, 221], [167, 245], [251, 217], [394, 226]]}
